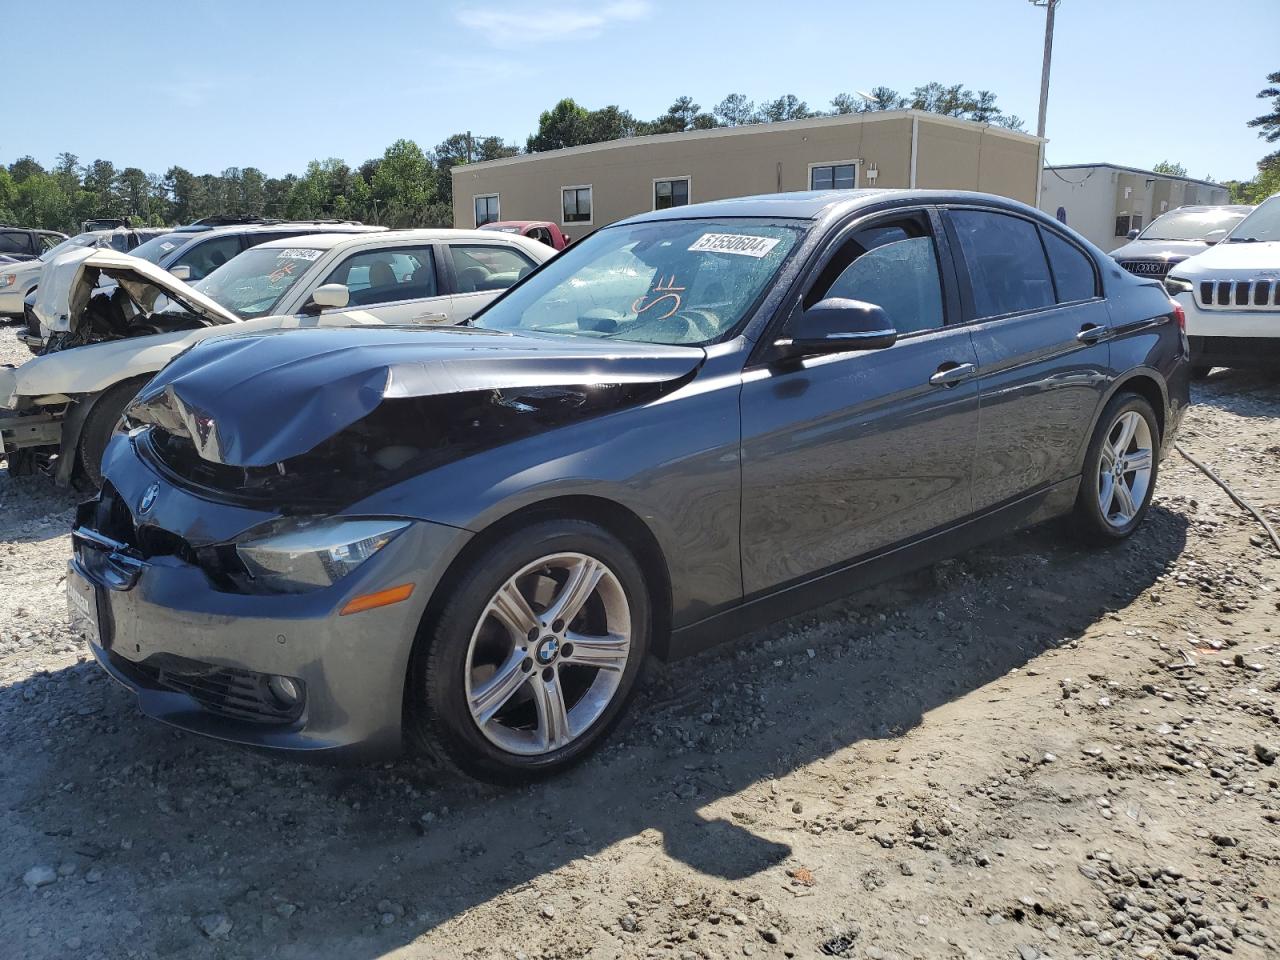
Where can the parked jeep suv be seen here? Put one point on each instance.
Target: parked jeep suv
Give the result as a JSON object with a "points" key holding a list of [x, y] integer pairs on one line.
{"points": [[1231, 294]]}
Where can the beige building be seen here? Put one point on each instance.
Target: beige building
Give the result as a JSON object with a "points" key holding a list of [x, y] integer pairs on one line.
{"points": [[584, 188], [1104, 201]]}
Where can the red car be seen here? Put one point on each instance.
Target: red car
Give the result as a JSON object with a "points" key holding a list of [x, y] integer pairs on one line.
{"points": [[542, 230]]}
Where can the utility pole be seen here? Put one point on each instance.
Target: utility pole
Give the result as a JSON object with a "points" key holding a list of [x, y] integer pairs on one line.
{"points": [[1050, 6]]}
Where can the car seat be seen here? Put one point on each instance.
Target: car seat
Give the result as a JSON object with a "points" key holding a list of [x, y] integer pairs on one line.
{"points": [[381, 275], [471, 279]]}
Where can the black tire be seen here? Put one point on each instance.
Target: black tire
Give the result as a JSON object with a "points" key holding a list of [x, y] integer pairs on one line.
{"points": [[1090, 522], [98, 426], [438, 720], [1199, 372]]}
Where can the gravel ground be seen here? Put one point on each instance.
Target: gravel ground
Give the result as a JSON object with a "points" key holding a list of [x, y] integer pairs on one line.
{"points": [[1032, 751]]}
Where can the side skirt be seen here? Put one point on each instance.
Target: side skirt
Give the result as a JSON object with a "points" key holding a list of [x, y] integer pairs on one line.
{"points": [[762, 609]]}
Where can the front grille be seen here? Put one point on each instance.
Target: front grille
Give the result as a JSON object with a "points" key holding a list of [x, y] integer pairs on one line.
{"points": [[1246, 294], [1148, 268], [225, 691]]}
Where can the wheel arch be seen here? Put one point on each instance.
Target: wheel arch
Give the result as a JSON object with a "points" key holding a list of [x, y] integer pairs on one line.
{"points": [[1144, 382], [618, 519], [73, 427]]}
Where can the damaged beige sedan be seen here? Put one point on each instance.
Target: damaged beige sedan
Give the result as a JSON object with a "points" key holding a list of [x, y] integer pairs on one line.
{"points": [[108, 321]]}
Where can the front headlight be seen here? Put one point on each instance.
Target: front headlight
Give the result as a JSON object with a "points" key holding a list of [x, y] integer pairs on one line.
{"points": [[8, 280], [294, 556], [1176, 285]]}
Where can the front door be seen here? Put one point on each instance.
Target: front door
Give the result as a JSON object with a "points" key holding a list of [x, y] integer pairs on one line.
{"points": [[846, 454], [398, 285]]}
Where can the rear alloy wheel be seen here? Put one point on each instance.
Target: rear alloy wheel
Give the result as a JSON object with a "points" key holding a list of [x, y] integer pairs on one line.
{"points": [[535, 653], [1120, 469]]}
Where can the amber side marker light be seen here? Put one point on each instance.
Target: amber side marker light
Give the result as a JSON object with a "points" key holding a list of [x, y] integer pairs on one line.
{"points": [[383, 598]]}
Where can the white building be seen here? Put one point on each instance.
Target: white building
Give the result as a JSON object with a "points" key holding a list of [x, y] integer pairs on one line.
{"points": [[1105, 201]]}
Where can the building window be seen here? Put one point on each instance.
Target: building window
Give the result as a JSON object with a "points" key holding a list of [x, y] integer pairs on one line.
{"points": [[672, 192], [576, 204], [833, 176], [1122, 225], [487, 210], [1135, 222]]}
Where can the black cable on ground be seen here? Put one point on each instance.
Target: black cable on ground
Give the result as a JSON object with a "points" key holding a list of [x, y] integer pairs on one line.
{"points": [[1236, 498]]}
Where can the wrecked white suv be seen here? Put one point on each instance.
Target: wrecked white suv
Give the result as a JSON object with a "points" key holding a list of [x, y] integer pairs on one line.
{"points": [[98, 348]]}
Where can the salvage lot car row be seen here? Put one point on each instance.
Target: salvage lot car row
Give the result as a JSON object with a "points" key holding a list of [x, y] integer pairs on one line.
{"points": [[345, 538]]}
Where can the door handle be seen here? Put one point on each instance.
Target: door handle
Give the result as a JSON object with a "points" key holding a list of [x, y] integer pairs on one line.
{"points": [[431, 318], [1091, 333], [949, 374]]}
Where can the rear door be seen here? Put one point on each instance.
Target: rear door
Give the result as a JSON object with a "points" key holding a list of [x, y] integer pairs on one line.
{"points": [[849, 453], [481, 271], [1040, 327]]}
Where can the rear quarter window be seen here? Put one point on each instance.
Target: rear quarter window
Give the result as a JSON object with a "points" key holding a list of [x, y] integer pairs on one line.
{"points": [[1073, 273]]}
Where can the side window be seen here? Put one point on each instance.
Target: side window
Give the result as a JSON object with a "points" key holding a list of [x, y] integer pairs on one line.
{"points": [[487, 209], [387, 275], [1007, 267], [208, 256], [1072, 270], [487, 267], [893, 264], [15, 242], [48, 241]]}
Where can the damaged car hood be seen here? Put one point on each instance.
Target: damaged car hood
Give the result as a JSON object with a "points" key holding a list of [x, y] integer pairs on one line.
{"points": [[257, 400], [68, 281]]}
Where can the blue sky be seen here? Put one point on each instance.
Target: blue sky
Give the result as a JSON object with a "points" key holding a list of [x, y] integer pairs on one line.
{"points": [[274, 85]]}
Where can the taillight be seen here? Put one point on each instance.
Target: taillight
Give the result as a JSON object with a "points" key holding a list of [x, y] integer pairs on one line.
{"points": [[1180, 315]]}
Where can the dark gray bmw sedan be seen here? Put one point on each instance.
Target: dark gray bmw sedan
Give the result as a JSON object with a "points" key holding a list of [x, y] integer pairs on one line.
{"points": [[688, 424]]}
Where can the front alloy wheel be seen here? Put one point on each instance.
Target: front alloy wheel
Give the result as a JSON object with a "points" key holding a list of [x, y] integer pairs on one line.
{"points": [[533, 654], [548, 654]]}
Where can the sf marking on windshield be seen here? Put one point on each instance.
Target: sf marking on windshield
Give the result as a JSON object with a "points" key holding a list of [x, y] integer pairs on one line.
{"points": [[664, 289]]}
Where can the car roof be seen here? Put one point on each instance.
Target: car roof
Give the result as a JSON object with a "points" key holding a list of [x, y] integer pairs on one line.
{"points": [[327, 240], [1210, 208], [820, 204], [300, 226]]}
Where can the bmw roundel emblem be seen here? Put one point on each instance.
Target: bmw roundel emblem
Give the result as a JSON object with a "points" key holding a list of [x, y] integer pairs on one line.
{"points": [[149, 498]]}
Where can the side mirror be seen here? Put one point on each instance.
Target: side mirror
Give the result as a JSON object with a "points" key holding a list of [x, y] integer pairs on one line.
{"points": [[1132, 234], [182, 272], [837, 325], [329, 295], [1213, 236]]}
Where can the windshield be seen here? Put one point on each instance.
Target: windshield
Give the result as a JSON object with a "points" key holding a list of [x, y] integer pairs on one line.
{"points": [[669, 281], [79, 240], [157, 248], [251, 284], [1262, 224], [1191, 224]]}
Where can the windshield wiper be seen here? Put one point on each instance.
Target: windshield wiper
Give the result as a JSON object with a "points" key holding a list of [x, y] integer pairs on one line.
{"points": [[1244, 240]]}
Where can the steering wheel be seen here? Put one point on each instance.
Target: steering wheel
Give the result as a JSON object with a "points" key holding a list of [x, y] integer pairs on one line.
{"points": [[703, 323]]}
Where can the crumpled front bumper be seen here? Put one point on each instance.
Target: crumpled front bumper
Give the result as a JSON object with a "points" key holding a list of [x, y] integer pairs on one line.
{"points": [[197, 656]]}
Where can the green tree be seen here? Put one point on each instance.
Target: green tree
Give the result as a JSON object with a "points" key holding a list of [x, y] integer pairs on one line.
{"points": [[882, 98], [564, 125], [735, 110], [1269, 122], [682, 115], [405, 188], [786, 107], [1173, 169], [24, 167]]}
